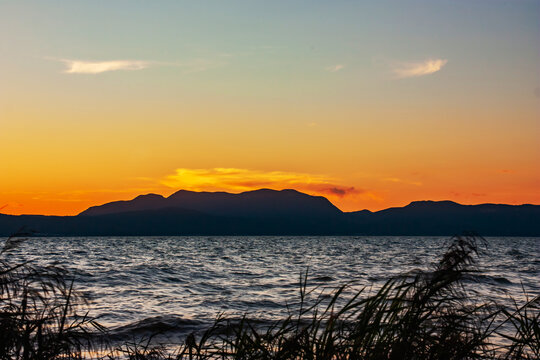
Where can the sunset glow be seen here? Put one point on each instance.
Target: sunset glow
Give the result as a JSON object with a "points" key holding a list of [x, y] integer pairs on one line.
{"points": [[104, 102]]}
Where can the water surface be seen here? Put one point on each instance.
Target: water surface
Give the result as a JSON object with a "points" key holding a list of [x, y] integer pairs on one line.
{"points": [[182, 283]]}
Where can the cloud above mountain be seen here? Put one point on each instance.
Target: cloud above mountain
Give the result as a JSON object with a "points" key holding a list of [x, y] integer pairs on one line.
{"points": [[237, 180]]}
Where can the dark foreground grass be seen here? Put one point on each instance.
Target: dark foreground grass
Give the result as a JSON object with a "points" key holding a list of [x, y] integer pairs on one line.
{"points": [[428, 315]]}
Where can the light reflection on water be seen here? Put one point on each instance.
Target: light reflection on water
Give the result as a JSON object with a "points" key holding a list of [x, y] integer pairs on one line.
{"points": [[186, 281]]}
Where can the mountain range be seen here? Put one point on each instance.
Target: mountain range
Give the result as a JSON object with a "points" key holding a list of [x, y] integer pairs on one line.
{"points": [[272, 212]]}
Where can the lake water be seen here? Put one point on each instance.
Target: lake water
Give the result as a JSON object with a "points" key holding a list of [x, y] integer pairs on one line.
{"points": [[180, 284]]}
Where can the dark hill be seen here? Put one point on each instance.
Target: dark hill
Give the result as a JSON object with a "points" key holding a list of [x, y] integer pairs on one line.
{"points": [[447, 218], [140, 203], [252, 204], [270, 212]]}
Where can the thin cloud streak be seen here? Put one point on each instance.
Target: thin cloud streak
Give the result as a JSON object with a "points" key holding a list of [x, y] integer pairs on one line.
{"points": [[398, 180], [335, 68], [98, 67], [427, 67]]}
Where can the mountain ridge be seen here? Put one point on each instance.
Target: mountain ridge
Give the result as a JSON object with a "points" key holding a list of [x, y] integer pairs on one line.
{"points": [[277, 212], [261, 202]]}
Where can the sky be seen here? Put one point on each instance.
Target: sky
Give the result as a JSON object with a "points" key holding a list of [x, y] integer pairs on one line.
{"points": [[372, 104]]}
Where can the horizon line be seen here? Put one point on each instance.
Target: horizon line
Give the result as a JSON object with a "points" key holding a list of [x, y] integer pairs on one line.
{"points": [[270, 189]]}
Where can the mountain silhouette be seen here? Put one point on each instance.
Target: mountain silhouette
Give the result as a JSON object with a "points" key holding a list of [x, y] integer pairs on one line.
{"points": [[259, 203], [272, 212], [448, 218]]}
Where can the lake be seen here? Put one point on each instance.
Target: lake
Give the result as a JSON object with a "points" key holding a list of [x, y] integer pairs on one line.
{"points": [[180, 284]]}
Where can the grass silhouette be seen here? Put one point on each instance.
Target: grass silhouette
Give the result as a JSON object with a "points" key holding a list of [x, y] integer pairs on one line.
{"points": [[427, 315], [38, 311]]}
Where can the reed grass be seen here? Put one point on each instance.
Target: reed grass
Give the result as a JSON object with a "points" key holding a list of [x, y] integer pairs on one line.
{"points": [[39, 316], [427, 315]]}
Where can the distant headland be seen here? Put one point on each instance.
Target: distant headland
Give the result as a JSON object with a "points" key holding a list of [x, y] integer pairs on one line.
{"points": [[273, 212]]}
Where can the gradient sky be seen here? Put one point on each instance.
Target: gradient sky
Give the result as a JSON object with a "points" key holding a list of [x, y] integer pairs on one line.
{"points": [[370, 103]]}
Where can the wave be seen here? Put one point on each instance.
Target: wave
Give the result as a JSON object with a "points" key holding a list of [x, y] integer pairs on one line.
{"points": [[165, 324]]}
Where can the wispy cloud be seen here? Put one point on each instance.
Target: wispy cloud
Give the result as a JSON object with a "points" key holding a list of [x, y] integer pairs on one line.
{"points": [[335, 68], [407, 70], [197, 65], [97, 67], [237, 180], [399, 180]]}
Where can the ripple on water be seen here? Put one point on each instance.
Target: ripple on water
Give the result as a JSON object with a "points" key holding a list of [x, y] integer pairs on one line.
{"points": [[180, 283]]}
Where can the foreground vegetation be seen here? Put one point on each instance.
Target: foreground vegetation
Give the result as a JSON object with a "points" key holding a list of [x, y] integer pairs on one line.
{"points": [[427, 315]]}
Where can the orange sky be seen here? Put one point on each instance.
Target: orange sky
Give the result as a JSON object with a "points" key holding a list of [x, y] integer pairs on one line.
{"points": [[371, 106]]}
